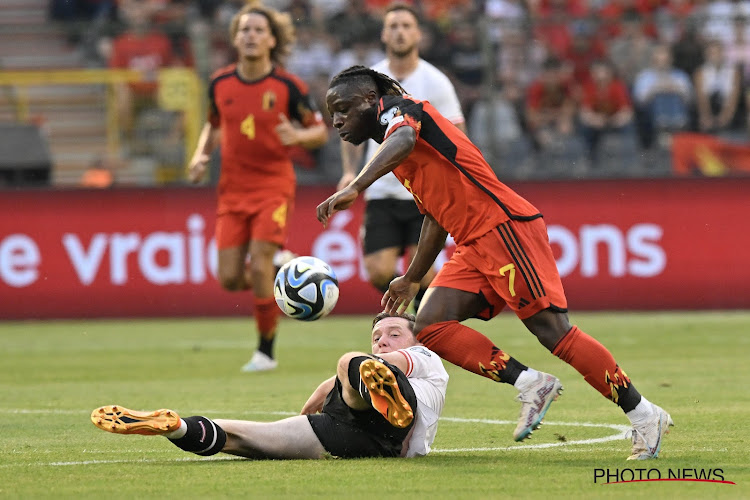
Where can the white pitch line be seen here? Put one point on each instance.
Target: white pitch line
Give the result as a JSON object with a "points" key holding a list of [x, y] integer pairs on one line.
{"points": [[621, 429]]}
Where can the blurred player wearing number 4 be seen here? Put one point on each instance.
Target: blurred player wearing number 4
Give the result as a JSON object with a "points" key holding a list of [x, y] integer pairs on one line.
{"points": [[254, 105], [392, 220], [502, 258]]}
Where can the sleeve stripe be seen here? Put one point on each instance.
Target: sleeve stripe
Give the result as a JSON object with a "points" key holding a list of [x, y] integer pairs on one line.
{"points": [[409, 362]]}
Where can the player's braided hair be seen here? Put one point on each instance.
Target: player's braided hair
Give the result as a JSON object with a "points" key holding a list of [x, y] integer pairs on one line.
{"points": [[282, 28], [362, 74]]}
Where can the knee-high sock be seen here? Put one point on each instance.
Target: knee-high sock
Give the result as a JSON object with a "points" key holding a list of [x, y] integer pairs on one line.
{"points": [[470, 350], [266, 316], [598, 367]]}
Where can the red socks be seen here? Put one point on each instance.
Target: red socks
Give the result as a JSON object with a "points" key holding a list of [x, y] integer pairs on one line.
{"points": [[266, 316], [470, 350], [595, 363]]}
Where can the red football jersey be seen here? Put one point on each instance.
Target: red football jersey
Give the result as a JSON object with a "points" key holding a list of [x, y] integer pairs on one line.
{"points": [[447, 174], [254, 163]]}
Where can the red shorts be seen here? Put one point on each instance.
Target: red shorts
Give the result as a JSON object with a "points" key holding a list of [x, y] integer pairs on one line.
{"points": [[264, 221], [512, 264]]}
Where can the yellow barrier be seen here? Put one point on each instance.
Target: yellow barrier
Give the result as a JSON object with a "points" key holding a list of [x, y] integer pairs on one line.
{"points": [[180, 89]]}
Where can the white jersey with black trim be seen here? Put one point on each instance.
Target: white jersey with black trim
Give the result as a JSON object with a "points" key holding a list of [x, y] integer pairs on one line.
{"points": [[429, 380], [426, 83]]}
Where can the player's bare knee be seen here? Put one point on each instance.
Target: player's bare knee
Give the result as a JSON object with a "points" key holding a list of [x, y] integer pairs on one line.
{"points": [[232, 283], [548, 326]]}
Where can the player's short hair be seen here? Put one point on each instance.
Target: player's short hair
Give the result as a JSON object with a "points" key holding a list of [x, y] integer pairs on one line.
{"points": [[282, 28], [403, 6], [408, 317], [364, 75]]}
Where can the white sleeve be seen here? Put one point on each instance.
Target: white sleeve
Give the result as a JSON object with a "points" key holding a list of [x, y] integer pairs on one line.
{"points": [[446, 101], [419, 361]]}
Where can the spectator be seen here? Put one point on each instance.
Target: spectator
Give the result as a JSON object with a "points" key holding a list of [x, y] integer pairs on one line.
{"points": [[663, 96], [142, 49], [687, 53], [550, 106], [551, 27], [738, 51], [605, 106], [466, 64], [505, 15], [585, 48], [311, 54], [631, 51], [717, 91], [353, 25], [718, 18]]}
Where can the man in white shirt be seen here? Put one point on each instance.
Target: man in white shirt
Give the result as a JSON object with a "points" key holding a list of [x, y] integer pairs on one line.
{"points": [[381, 405], [392, 221]]}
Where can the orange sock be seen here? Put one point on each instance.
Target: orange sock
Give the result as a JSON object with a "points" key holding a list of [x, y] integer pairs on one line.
{"points": [[598, 367], [470, 350], [266, 317]]}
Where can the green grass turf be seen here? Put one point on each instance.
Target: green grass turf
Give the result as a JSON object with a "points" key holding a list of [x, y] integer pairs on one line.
{"points": [[54, 373]]}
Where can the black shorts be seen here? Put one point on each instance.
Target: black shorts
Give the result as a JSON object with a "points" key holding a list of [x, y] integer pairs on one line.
{"points": [[391, 223], [348, 433]]}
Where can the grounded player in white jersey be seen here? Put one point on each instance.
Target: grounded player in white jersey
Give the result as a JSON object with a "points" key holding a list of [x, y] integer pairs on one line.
{"points": [[381, 405], [392, 220]]}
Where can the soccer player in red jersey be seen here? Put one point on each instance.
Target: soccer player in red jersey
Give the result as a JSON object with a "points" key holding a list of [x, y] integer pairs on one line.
{"points": [[503, 256], [254, 105]]}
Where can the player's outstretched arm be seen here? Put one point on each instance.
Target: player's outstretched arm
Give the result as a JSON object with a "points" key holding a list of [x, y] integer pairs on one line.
{"points": [[388, 156], [351, 159], [207, 142], [315, 402]]}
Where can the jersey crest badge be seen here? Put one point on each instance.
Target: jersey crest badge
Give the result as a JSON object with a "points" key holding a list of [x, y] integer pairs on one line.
{"points": [[268, 100]]}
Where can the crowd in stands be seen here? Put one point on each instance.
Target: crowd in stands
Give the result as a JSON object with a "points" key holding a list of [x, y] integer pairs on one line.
{"points": [[549, 87]]}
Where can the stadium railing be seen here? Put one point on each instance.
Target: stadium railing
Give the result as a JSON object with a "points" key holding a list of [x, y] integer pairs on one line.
{"points": [[86, 96]]}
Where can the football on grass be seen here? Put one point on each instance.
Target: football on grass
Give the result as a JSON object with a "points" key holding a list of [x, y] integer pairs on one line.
{"points": [[306, 288]]}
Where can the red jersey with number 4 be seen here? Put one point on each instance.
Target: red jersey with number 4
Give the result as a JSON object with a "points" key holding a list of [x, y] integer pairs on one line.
{"points": [[254, 163], [447, 174]]}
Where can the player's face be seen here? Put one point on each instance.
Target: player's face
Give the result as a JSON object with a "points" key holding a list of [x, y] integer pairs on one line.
{"points": [[354, 114], [254, 39], [391, 334], [401, 34]]}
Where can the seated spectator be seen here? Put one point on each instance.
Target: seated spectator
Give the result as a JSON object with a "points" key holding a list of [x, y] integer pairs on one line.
{"points": [[311, 54], [142, 49], [738, 51], [466, 65], [718, 17], [687, 52], [605, 106], [551, 27], [585, 48], [631, 50], [663, 96], [612, 13], [717, 91], [550, 106]]}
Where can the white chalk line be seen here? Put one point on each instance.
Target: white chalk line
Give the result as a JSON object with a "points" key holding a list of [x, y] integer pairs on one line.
{"points": [[620, 434]]}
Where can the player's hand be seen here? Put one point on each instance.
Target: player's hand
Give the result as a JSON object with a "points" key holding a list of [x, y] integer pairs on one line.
{"points": [[346, 179], [197, 168], [286, 131], [399, 295], [340, 200]]}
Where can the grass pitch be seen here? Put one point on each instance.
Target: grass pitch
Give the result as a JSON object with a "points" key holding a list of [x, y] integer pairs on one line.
{"points": [[54, 373]]}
